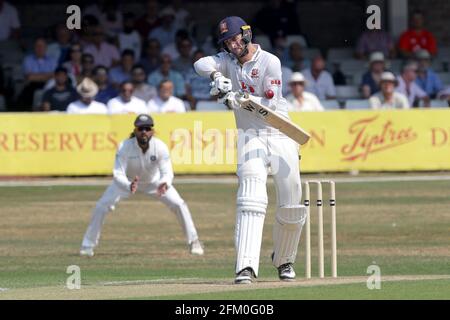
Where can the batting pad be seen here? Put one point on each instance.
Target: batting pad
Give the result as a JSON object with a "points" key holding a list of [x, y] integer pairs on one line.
{"points": [[248, 237], [286, 233]]}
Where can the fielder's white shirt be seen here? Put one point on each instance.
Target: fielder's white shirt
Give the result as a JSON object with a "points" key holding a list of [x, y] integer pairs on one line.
{"points": [[152, 167], [173, 104], [79, 107], [135, 105], [261, 73], [310, 103]]}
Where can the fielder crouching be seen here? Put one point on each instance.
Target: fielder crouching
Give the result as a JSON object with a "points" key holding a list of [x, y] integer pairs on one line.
{"points": [[142, 165], [244, 66]]}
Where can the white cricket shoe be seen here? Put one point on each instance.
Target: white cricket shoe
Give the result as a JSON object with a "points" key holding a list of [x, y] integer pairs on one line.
{"points": [[87, 252], [245, 276], [196, 248], [286, 272]]}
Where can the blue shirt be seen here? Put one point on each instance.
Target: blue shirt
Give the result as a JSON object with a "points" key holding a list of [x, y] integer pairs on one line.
{"points": [[179, 89], [117, 75], [431, 84], [33, 64], [199, 85], [368, 80], [106, 94]]}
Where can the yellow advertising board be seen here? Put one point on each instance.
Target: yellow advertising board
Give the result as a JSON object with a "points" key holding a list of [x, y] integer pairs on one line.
{"points": [[60, 144]]}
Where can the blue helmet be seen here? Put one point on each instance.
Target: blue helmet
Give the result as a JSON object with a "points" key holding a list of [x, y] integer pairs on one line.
{"points": [[231, 26]]}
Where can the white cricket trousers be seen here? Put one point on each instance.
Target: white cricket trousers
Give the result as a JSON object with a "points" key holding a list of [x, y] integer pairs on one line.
{"points": [[114, 194]]}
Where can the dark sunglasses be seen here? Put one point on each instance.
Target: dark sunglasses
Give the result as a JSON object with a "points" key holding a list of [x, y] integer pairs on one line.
{"points": [[144, 129]]}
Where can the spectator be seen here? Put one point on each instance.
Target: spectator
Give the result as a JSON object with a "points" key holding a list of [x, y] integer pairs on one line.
{"points": [[165, 72], [211, 44], [125, 102], [142, 90], [111, 19], [318, 80], [408, 86], [197, 87], [299, 99], [94, 9], [122, 72], [38, 69], [60, 49], [275, 17], [152, 56], [370, 83], [165, 101], [87, 90], [295, 60], [375, 40], [183, 64], [129, 38], [105, 90], [417, 37], [104, 53], [165, 33], [87, 65], [61, 95], [74, 66], [149, 20], [182, 16], [427, 79], [9, 21], [89, 23], [173, 48], [286, 75], [444, 94], [388, 98]]}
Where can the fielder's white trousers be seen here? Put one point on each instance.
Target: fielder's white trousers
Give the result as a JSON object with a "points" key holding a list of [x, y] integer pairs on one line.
{"points": [[114, 194]]}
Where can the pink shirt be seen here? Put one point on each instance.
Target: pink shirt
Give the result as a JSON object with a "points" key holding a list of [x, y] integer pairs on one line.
{"points": [[105, 55]]}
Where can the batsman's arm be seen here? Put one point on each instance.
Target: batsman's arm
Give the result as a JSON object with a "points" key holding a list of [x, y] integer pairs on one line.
{"points": [[165, 166], [120, 167], [208, 66]]}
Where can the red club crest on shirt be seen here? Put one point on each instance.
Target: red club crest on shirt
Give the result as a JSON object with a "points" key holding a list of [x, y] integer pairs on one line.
{"points": [[255, 73], [223, 27]]}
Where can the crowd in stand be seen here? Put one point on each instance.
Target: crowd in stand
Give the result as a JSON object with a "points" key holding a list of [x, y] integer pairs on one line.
{"points": [[123, 63]]}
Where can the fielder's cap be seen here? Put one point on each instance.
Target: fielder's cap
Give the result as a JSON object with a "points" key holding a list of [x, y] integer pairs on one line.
{"points": [[167, 12], [377, 57], [422, 54], [388, 76], [297, 77], [143, 120], [87, 88], [229, 27]]}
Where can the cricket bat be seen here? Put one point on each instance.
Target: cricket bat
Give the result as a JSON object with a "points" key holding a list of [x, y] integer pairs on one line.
{"points": [[281, 123]]}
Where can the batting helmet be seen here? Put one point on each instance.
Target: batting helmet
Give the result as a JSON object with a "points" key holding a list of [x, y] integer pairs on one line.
{"points": [[231, 26]]}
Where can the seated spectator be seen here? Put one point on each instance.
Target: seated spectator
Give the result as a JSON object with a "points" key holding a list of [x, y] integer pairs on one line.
{"points": [[388, 98], [125, 102], [111, 19], [173, 48], [286, 75], [105, 90], [85, 35], [61, 95], [182, 16], [9, 21], [104, 53], [142, 90], [375, 40], [95, 9], [151, 59], [183, 64], [165, 72], [408, 86], [197, 88], [38, 69], [150, 20], [318, 80], [295, 60], [129, 38], [87, 65], [59, 50], [165, 101], [299, 99], [417, 37], [73, 66], [122, 72], [165, 33], [87, 90], [370, 83], [427, 79], [211, 46], [444, 94]]}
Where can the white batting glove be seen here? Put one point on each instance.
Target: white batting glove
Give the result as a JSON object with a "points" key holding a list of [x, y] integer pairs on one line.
{"points": [[220, 85], [231, 100]]}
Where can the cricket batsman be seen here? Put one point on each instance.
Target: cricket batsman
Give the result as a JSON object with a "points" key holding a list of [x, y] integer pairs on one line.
{"points": [[142, 165], [244, 67]]}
